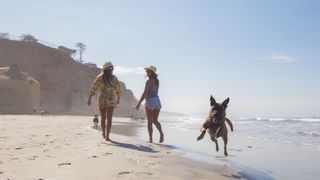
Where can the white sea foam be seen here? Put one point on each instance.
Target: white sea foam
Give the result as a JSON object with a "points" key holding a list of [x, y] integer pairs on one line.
{"points": [[311, 119], [284, 130]]}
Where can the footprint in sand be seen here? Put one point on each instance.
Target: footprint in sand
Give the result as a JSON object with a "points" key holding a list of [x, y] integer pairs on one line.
{"points": [[92, 157], [125, 172], [33, 158], [64, 164], [107, 154], [19, 148]]}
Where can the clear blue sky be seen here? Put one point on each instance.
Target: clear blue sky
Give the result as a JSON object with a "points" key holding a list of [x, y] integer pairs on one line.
{"points": [[264, 55]]}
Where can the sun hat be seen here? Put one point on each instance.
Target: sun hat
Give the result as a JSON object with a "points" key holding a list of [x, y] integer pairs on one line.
{"points": [[151, 68], [107, 65]]}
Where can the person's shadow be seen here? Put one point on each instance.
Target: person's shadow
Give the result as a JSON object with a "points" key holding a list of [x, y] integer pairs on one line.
{"points": [[133, 146]]}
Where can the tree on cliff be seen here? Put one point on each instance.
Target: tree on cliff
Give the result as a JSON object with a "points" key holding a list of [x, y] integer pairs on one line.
{"points": [[28, 37], [81, 48]]}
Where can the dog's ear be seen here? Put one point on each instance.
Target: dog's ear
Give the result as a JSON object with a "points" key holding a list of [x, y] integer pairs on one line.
{"points": [[212, 101], [225, 102]]}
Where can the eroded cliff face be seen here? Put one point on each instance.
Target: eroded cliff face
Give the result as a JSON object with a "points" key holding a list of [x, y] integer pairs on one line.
{"points": [[64, 83], [19, 92]]}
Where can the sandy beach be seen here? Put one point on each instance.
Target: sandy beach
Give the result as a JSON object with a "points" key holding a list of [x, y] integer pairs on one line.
{"points": [[69, 147]]}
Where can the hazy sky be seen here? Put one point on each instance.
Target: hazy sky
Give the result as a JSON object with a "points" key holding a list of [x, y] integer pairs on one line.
{"points": [[264, 55]]}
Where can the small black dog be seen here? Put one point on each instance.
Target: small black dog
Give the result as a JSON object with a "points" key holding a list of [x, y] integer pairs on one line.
{"points": [[96, 120]]}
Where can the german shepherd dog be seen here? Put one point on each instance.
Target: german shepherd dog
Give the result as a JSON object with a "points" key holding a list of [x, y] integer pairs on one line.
{"points": [[216, 123]]}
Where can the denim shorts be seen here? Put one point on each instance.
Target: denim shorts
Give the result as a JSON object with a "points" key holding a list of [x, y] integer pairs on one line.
{"points": [[153, 103]]}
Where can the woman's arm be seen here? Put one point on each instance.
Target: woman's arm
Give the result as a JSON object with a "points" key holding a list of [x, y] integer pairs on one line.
{"points": [[144, 94], [93, 89], [117, 89]]}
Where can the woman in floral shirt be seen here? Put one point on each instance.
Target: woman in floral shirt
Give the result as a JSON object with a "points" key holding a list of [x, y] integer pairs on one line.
{"points": [[109, 96]]}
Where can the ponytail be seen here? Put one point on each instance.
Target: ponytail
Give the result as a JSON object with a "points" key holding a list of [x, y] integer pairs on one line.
{"points": [[155, 76]]}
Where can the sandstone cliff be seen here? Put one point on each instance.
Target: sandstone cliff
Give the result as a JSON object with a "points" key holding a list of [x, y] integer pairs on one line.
{"points": [[19, 92], [64, 82]]}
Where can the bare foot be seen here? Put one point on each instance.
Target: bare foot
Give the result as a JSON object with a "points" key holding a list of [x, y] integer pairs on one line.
{"points": [[108, 139], [150, 140], [161, 138], [103, 135]]}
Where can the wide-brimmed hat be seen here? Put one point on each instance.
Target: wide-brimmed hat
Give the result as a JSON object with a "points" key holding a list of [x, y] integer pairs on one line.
{"points": [[151, 68], [107, 65]]}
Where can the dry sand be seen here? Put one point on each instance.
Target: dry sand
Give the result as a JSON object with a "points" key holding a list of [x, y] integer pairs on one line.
{"points": [[68, 147]]}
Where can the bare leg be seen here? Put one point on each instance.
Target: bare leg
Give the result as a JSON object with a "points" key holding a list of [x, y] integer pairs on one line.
{"points": [[150, 120], [103, 122], [157, 124], [109, 122]]}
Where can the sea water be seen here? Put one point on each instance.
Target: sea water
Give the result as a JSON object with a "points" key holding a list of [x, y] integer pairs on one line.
{"points": [[261, 148]]}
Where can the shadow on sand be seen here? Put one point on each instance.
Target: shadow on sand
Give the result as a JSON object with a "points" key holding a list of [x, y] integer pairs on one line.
{"points": [[133, 147], [168, 146]]}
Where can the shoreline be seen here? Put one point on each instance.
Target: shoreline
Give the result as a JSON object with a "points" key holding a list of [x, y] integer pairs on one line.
{"points": [[67, 147], [252, 158]]}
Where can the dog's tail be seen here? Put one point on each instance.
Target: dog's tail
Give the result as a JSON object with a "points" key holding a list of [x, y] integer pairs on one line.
{"points": [[229, 123]]}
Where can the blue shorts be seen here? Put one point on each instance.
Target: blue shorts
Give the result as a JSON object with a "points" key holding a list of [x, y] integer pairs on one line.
{"points": [[153, 103]]}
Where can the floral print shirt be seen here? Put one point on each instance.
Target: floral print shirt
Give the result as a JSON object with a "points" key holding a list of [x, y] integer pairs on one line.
{"points": [[109, 92]]}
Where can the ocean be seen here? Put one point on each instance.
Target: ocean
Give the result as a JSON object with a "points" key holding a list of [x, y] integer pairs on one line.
{"points": [[304, 131], [260, 148]]}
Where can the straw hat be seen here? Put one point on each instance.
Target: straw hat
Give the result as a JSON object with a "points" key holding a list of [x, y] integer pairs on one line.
{"points": [[107, 65], [151, 68]]}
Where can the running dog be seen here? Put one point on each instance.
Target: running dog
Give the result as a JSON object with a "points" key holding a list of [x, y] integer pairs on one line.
{"points": [[216, 123]]}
